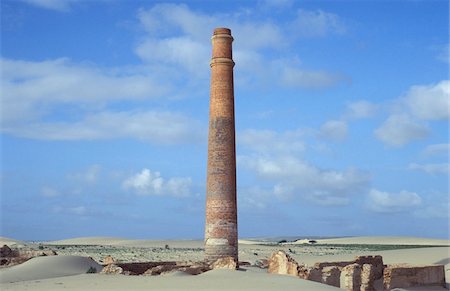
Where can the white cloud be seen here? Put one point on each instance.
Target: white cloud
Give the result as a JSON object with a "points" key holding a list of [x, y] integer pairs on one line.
{"points": [[151, 183], [442, 149], [49, 192], [31, 90], [429, 102], [334, 130], [294, 77], [433, 169], [58, 5], [266, 141], [318, 23], [361, 109], [385, 202], [401, 129], [151, 126], [179, 38], [184, 51], [295, 177]]}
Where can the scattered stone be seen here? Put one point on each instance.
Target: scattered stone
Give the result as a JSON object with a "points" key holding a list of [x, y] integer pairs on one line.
{"points": [[162, 269], [197, 269], [112, 269], [350, 278], [109, 260], [224, 263], [281, 263], [262, 263], [404, 275]]}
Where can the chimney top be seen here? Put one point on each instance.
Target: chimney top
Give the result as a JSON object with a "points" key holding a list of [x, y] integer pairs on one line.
{"points": [[222, 30]]}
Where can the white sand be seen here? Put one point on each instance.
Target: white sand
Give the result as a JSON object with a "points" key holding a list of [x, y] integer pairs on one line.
{"points": [[213, 280], [384, 240], [48, 267], [97, 240], [46, 273]]}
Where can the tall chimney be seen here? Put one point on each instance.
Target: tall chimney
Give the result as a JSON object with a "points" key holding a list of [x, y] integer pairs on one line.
{"points": [[221, 237]]}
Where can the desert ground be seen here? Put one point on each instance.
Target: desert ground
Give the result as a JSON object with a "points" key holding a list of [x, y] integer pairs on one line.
{"points": [[68, 270]]}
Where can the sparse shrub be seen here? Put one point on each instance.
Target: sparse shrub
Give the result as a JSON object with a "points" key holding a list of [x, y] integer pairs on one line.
{"points": [[312, 241], [91, 270], [282, 241], [41, 247], [166, 247]]}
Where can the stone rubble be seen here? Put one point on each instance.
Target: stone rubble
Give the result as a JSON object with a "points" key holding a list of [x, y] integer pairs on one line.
{"points": [[282, 263], [225, 263], [365, 273]]}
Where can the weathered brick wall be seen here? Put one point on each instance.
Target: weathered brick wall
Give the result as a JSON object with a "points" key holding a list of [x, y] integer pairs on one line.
{"points": [[221, 212]]}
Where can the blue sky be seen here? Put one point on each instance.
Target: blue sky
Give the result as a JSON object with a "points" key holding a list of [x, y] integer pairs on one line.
{"points": [[342, 114]]}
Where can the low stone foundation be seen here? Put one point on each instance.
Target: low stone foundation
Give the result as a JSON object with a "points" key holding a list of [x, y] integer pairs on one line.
{"points": [[403, 275], [365, 273]]}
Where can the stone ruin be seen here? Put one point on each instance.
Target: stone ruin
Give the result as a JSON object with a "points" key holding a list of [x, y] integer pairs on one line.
{"points": [[365, 273], [10, 257], [161, 268]]}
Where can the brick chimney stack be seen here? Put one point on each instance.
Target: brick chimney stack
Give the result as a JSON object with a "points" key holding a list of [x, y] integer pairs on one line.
{"points": [[221, 237]]}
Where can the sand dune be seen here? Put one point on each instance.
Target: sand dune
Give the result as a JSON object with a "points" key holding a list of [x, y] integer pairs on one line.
{"points": [[95, 240], [10, 241], [48, 267], [380, 240], [385, 240], [213, 280]]}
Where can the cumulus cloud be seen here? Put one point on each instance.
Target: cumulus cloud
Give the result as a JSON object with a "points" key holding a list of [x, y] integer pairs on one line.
{"points": [[429, 102], [385, 202], [401, 129], [34, 94], [361, 109], [151, 183], [295, 177], [335, 130], [182, 51], [433, 169], [178, 36], [273, 158], [318, 23]]}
